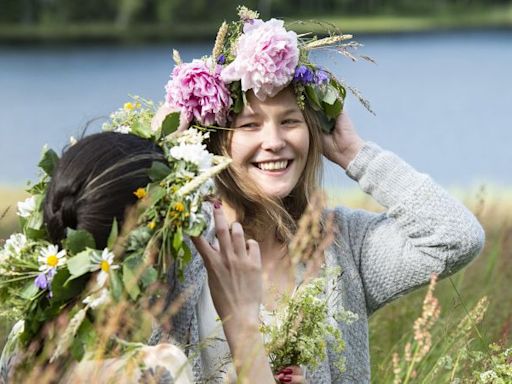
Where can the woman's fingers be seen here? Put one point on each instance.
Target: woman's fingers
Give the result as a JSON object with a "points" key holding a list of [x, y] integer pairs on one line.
{"points": [[204, 248], [238, 240], [222, 229]]}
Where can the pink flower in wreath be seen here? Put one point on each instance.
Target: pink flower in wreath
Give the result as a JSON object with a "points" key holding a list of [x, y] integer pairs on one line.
{"points": [[266, 57], [197, 90]]}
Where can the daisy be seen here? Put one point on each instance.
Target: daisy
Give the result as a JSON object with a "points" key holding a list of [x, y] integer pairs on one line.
{"points": [[25, 208], [105, 265], [51, 258]]}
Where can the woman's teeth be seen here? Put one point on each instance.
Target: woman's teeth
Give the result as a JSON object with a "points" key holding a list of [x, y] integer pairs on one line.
{"points": [[273, 165]]}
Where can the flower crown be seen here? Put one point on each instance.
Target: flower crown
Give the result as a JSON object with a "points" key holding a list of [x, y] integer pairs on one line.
{"points": [[38, 278], [262, 56]]}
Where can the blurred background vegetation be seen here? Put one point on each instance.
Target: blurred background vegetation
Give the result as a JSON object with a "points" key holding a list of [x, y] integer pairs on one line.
{"points": [[28, 20]]}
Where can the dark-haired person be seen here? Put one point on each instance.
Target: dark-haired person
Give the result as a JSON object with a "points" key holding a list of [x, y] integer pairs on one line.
{"points": [[92, 184]]}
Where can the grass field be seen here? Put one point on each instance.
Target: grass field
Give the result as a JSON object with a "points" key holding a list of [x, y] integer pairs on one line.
{"points": [[453, 354]]}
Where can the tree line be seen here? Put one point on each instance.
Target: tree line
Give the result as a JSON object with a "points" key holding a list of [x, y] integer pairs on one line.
{"points": [[127, 12]]}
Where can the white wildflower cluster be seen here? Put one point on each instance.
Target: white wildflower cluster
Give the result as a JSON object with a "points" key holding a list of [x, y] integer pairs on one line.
{"points": [[194, 153], [25, 208]]}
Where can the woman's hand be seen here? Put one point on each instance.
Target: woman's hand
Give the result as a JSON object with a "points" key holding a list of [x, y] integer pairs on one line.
{"points": [[234, 271], [292, 374], [236, 286], [342, 145]]}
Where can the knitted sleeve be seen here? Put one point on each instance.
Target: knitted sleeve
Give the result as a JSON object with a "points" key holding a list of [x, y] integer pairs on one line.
{"points": [[423, 231]]}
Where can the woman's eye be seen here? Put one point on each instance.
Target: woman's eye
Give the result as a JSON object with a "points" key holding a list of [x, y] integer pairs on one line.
{"points": [[290, 121], [248, 125]]}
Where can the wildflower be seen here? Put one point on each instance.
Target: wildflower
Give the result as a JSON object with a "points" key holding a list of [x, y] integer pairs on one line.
{"points": [[266, 57], [105, 265], [15, 244], [321, 77], [128, 106], [199, 92], [194, 153], [51, 258], [303, 75], [44, 279], [72, 140], [179, 207], [25, 208], [140, 193], [94, 301], [247, 15], [122, 129], [152, 225]]}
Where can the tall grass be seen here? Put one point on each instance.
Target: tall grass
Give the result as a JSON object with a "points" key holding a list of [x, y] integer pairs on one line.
{"points": [[391, 328], [456, 350]]}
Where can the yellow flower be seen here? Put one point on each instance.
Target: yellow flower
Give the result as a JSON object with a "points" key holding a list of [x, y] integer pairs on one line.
{"points": [[140, 193], [179, 207], [128, 106], [151, 225]]}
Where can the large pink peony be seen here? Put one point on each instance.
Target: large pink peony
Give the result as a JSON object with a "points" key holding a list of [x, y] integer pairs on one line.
{"points": [[266, 57], [198, 91]]}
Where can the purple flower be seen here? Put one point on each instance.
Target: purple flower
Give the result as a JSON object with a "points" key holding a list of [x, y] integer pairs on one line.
{"points": [[303, 75], [41, 281], [221, 59], [321, 77], [44, 279]]}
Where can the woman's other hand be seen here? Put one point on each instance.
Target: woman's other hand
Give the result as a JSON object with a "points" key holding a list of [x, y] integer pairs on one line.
{"points": [[342, 145], [292, 374]]}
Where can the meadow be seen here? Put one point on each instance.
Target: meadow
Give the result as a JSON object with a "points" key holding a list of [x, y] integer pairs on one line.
{"points": [[452, 336]]}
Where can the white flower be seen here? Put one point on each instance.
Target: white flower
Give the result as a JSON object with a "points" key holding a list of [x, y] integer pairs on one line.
{"points": [[194, 153], [15, 244], [122, 129], [192, 136], [51, 258], [105, 265], [72, 140], [94, 301], [488, 377], [25, 208]]}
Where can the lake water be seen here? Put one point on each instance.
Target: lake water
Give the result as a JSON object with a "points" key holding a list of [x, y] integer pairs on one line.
{"points": [[443, 102]]}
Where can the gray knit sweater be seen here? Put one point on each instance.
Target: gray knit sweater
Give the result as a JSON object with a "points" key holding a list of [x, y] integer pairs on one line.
{"points": [[383, 256]]}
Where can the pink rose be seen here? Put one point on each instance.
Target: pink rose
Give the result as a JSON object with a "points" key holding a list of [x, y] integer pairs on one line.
{"points": [[266, 57], [197, 90]]}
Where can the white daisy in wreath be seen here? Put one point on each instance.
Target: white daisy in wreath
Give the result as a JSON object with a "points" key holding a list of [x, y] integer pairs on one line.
{"points": [[51, 258], [105, 264]]}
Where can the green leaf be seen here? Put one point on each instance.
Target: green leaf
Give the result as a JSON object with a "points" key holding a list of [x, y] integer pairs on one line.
{"points": [[170, 123], [177, 239], [49, 161], [333, 110], [149, 276], [64, 289], [158, 171], [30, 290], [312, 95], [116, 285], [80, 264], [35, 220], [331, 95], [114, 233], [130, 281], [141, 130], [78, 240]]}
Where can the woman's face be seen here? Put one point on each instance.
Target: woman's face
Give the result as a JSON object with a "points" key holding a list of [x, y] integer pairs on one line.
{"points": [[271, 142]]}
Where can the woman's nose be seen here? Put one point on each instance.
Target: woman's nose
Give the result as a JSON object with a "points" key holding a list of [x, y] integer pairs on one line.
{"points": [[273, 138]]}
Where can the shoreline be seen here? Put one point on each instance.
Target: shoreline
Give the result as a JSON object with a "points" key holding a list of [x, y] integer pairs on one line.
{"points": [[376, 25]]}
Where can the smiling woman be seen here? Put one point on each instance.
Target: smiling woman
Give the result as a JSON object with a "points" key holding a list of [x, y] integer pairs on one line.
{"points": [[283, 114]]}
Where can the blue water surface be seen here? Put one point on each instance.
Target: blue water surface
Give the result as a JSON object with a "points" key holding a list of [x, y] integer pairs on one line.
{"points": [[442, 101]]}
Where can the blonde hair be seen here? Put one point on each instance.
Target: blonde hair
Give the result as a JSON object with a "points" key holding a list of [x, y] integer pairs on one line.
{"points": [[256, 211]]}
